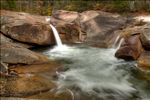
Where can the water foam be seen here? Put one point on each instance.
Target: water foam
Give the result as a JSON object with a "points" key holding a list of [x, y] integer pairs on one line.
{"points": [[143, 18], [94, 71]]}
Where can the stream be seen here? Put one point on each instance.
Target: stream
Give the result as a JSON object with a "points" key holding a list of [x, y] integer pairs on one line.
{"points": [[95, 73]]}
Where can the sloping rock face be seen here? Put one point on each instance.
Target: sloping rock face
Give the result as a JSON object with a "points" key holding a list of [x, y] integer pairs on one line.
{"points": [[69, 33], [144, 60], [26, 28], [130, 49], [13, 54], [6, 40], [145, 38], [100, 26], [94, 27]]}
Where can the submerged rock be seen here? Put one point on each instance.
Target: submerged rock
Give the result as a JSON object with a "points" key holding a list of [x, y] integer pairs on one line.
{"points": [[26, 85], [144, 60], [145, 38], [26, 28], [15, 54], [130, 49]]}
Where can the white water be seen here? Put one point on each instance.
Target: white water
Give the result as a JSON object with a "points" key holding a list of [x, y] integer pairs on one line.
{"points": [[116, 45], [57, 38], [143, 18], [94, 71], [56, 34]]}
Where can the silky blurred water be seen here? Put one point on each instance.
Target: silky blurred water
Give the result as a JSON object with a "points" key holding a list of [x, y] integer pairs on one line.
{"points": [[96, 72]]}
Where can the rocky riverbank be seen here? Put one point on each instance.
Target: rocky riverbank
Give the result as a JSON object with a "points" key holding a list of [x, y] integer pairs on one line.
{"points": [[22, 68], [136, 45]]}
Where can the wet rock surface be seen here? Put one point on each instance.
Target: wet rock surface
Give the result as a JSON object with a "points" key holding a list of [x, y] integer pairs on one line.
{"points": [[130, 49], [100, 26], [69, 33], [30, 80], [145, 38], [26, 85], [34, 73], [92, 27], [26, 28], [67, 25], [50, 66], [144, 60]]}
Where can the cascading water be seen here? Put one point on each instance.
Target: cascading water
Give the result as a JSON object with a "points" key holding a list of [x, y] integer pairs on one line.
{"points": [[95, 73], [116, 45], [58, 40], [56, 35]]}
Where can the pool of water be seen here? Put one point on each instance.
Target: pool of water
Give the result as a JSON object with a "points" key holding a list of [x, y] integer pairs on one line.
{"points": [[96, 74]]}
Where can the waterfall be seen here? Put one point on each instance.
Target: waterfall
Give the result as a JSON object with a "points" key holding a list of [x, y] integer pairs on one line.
{"points": [[56, 34], [118, 42], [115, 44], [93, 71]]}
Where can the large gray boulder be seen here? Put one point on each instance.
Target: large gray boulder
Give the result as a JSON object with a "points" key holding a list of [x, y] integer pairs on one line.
{"points": [[13, 54], [93, 27], [26, 28], [100, 26], [6, 40]]}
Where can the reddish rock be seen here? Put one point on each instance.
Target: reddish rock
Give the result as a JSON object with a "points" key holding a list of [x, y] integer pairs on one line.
{"points": [[130, 49], [145, 38], [144, 60], [26, 28]]}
